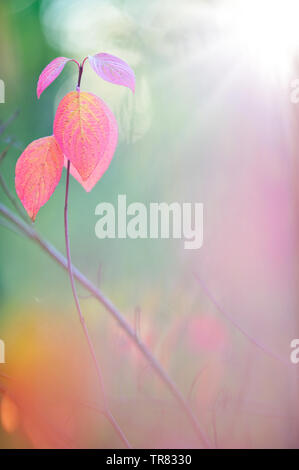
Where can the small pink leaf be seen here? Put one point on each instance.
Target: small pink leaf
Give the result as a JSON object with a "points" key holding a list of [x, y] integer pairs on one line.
{"points": [[83, 127], [50, 73], [113, 70], [38, 171], [105, 161]]}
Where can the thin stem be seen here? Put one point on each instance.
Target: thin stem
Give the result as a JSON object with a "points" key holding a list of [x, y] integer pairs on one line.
{"points": [[4, 126], [79, 77], [107, 411], [81, 67], [4, 223], [116, 314], [12, 199], [84, 60], [4, 153], [76, 62], [236, 325]]}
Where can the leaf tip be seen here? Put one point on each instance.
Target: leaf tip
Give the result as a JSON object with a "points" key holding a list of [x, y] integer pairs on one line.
{"points": [[50, 73], [113, 69]]}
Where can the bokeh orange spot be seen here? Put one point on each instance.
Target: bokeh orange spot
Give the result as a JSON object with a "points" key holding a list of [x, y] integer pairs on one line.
{"points": [[9, 415]]}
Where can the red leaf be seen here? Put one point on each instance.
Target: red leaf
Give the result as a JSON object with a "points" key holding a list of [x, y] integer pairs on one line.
{"points": [[50, 73], [83, 129], [113, 70], [105, 161], [38, 172]]}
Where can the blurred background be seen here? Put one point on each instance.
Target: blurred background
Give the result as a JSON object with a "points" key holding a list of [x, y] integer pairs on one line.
{"points": [[211, 121]]}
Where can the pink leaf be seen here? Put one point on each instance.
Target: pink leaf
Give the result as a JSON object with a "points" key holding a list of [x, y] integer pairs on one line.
{"points": [[105, 161], [113, 70], [50, 73], [38, 172], [83, 128]]}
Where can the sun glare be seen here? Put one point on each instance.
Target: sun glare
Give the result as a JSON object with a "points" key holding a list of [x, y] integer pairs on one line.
{"points": [[267, 33]]}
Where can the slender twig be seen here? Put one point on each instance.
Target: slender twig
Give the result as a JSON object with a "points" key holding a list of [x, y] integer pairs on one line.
{"points": [[12, 143], [9, 121], [12, 199], [4, 153], [137, 322], [7, 191], [194, 382], [247, 335], [6, 224], [108, 413], [99, 274], [116, 314]]}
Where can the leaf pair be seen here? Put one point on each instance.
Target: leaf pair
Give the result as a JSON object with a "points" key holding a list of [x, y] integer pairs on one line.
{"points": [[85, 133], [107, 66]]}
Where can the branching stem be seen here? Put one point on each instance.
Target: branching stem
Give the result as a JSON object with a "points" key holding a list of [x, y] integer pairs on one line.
{"points": [[115, 313]]}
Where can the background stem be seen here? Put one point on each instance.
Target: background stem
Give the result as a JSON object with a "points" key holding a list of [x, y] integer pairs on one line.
{"points": [[116, 314], [12, 199], [107, 411]]}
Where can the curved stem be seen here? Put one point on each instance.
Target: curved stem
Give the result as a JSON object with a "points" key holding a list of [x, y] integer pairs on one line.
{"points": [[76, 62], [115, 313], [107, 411], [236, 325], [84, 60]]}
